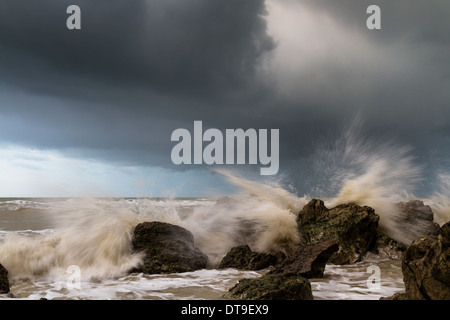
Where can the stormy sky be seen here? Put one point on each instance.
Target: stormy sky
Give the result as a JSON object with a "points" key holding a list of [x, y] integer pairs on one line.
{"points": [[92, 110]]}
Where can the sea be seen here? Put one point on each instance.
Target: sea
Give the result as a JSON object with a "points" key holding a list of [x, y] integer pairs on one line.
{"points": [[79, 248]]}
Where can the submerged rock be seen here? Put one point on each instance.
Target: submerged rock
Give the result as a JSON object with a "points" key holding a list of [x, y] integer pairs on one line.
{"points": [[426, 267], [352, 226], [167, 248], [272, 287], [242, 257], [308, 260], [4, 282]]}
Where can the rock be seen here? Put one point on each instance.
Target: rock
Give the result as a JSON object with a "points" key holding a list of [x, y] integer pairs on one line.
{"points": [[426, 267], [308, 260], [4, 282], [167, 248], [396, 296], [415, 220], [242, 257], [415, 210], [388, 248], [352, 226], [272, 287]]}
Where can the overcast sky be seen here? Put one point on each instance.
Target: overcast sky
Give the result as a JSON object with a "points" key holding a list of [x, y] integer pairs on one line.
{"points": [[92, 110]]}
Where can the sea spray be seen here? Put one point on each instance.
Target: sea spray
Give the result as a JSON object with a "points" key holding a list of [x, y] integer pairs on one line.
{"points": [[440, 200], [263, 225], [375, 173], [85, 234], [95, 234], [260, 215], [389, 178]]}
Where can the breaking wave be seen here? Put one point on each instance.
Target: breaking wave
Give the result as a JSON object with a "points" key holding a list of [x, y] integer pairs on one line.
{"points": [[95, 234]]}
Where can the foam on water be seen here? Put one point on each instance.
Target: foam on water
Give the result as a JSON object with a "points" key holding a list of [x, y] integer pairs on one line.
{"points": [[201, 284], [349, 282]]}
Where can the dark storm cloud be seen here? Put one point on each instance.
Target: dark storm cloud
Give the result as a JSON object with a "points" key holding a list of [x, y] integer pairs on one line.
{"points": [[188, 48], [396, 78], [133, 73], [140, 69]]}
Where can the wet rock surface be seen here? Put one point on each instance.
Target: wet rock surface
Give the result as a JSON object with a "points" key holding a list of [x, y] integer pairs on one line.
{"points": [[354, 228], [387, 247], [272, 287], [167, 248], [426, 267], [308, 260], [243, 258]]}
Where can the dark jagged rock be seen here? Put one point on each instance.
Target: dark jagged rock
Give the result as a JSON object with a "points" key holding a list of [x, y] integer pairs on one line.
{"points": [[272, 287], [415, 220], [387, 247], [242, 257], [167, 248], [426, 267], [352, 226], [4, 282], [308, 260]]}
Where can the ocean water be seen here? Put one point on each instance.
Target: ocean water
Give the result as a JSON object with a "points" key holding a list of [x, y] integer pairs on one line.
{"points": [[80, 248], [41, 240]]}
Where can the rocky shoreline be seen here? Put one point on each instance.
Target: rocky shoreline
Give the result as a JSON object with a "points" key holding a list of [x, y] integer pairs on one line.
{"points": [[340, 235]]}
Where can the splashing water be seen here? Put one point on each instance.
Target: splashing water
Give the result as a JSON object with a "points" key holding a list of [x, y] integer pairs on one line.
{"points": [[96, 235], [85, 234], [262, 216], [386, 181], [371, 173], [440, 201]]}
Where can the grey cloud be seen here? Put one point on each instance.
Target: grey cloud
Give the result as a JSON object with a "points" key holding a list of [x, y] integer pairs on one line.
{"points": [[404, 20], [184, 48], [138, 70], [135, 71]]}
